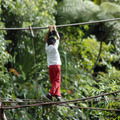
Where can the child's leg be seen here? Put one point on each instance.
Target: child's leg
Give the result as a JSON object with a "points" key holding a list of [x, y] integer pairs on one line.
{"points": [[55, 77]]}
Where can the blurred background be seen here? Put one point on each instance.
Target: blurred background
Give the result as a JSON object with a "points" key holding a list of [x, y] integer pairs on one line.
{"points": [[90, 56]]}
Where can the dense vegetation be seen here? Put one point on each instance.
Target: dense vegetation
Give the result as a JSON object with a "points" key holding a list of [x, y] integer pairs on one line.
{"points": [[23, 67]]}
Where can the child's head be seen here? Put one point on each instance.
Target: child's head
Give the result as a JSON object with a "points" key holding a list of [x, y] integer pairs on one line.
{"points": [[51, 40], [52, 33]]}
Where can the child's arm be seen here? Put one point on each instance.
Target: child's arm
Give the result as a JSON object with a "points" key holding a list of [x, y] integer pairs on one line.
{"points": [[50, 28], [58, 37]]}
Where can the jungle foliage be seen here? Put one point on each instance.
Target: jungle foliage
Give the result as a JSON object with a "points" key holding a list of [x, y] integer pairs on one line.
{"points": [[23, 67]]}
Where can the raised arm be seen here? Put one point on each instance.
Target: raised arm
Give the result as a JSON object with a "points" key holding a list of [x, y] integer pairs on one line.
{"points": [[58, 37], [50, 28]]}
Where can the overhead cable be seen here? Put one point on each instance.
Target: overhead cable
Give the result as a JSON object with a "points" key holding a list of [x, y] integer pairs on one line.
{"points": [[74, 24]]}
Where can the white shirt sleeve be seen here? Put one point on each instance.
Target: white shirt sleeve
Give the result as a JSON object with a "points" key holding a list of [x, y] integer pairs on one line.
{"points": [[46, 46], [56, 44]]}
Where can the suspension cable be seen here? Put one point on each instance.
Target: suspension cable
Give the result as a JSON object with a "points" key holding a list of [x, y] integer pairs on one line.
{"points": [[58, 103], [74, 24], [82, 99], [90, 108]]}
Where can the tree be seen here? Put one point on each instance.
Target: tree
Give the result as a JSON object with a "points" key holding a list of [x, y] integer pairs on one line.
{"points": [[82, 11], [4, 59]]}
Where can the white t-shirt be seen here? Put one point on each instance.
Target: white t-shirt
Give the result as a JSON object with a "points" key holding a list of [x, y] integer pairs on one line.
{"points": [[53, 56]]}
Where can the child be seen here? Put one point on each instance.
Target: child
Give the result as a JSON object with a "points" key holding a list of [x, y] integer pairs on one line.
{"points": [[54, 62]]}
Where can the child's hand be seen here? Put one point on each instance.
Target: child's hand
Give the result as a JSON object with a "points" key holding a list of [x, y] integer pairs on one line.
{"points": [[50, 27], [54, 27]]}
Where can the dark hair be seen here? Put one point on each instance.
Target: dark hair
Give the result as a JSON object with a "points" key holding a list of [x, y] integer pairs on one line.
{"points": [[51, 37], [51, 40], [51, 33]]}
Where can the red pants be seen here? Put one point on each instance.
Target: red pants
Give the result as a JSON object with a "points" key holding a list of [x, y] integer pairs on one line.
{"points": [[55, 78]]}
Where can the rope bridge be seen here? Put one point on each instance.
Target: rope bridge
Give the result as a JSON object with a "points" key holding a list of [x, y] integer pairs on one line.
{"points": [[38, 103]]}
